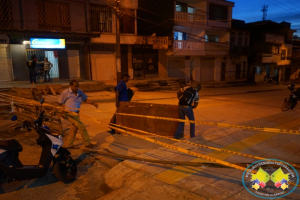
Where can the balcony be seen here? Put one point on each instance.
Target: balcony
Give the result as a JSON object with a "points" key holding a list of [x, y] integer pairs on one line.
{"points": [[188, 45], [193, 48], [189, 17], [271, 58]]}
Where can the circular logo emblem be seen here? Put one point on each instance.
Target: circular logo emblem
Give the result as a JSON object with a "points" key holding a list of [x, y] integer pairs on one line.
{"points": [[270, 178]]}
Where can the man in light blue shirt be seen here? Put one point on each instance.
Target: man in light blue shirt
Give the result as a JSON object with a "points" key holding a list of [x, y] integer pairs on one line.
{"points": [[72, 98]]}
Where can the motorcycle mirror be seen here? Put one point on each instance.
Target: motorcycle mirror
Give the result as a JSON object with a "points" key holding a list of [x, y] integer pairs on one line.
{"points": [[14, 118], [42, 100], [46, 119]]}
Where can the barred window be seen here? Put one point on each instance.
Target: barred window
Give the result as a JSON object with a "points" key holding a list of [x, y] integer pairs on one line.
{"points": [[53, 15], [6, 17], [100, 18], [127, 21]]}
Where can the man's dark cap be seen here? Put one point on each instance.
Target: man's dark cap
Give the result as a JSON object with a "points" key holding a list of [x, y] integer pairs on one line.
{"points": [[125, 75]]}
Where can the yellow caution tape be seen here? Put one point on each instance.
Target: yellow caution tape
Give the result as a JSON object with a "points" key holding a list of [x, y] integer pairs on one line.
{"points": [[262, 129], [196, 154]]}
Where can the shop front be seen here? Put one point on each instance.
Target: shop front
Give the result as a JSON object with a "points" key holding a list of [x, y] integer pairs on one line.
{"points": [[66, 55], [144, 62]]}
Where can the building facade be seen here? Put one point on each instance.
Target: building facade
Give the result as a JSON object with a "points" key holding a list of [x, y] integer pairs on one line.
{"points": [[271, 50], [24, 20], [239, 52], [199, 33], [89, 29]]}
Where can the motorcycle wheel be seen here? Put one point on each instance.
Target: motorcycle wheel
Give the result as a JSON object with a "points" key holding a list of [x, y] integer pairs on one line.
{"points": [[286, 105], [65, 169]]}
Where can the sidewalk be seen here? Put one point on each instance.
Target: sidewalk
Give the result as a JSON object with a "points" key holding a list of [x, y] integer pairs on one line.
{"points": [[150, 84], [4, 85]]}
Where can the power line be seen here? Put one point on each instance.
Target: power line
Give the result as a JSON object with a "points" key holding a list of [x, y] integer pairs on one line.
{"points": [[279, 5], [293, 3]]}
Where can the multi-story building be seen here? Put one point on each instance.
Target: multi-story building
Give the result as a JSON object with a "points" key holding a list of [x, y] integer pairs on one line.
{"points": [[271, 50], [239, 52], [89, 30], [35, 20], [292, 72], [199, 32]]}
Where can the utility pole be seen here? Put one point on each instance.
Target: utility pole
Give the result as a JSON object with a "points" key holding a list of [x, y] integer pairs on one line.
{"points": [[264, 10], [118, 45]]}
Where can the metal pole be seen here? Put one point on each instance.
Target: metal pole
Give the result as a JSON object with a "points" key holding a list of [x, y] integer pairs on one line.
{"points": [[118, 45]]}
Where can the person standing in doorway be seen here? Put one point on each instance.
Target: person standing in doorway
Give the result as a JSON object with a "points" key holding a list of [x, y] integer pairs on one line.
{"points": [[72, 98], [47, 67], [31, 64], [188, 100]]}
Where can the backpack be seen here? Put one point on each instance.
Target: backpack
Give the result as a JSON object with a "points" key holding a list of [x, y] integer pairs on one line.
{"points": [[187, 96]]}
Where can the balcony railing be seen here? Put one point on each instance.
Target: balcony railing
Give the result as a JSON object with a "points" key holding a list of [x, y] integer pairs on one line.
{"points": [[188, 45], [188, 17]]}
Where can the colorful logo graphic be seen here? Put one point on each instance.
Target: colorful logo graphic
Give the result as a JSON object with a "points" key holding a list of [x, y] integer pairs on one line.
{"points": [[270, 179]]}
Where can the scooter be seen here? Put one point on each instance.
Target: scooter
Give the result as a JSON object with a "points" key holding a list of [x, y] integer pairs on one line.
{"points": [[11, 168], [291, 101]]}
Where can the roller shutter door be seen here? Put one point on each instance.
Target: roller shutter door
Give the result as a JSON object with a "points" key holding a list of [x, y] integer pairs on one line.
{"points": [[207, 70]]}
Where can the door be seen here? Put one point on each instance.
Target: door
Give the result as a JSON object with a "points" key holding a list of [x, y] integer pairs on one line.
{"points": [[238, 72], [103, 66], [6, 65], [74, 64], [223, 71], [192, 70], [176, 67], [288, 72], [207, 70]]}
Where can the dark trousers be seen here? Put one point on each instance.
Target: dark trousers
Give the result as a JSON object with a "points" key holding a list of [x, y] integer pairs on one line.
{"points": [[185, 111], [32, 75], [46, 74]]}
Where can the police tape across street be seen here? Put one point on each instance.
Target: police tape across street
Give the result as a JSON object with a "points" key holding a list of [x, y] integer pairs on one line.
{"points": [[178, 140], [182, 150], [224, 125]]}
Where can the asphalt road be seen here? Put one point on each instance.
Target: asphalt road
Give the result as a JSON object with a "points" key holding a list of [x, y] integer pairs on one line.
{"points": [[229, 105]]}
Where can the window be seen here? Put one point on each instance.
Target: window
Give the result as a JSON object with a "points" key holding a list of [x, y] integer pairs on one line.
{"points": [[275, 50], [127, 21], [191, 10], [218, 12], [283, 54], [180, 36], [232, 38], [240, 41], [53, 15], [6, 17], [181, 7], [211, 38], [246, 42], [100, 18], [258, 70]]}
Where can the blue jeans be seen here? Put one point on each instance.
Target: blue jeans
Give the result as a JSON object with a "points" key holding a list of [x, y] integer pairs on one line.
{"points": [[185, 111], [46, 75]]}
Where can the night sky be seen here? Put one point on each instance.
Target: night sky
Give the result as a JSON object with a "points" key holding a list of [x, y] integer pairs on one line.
{"points": [[278, 11]]}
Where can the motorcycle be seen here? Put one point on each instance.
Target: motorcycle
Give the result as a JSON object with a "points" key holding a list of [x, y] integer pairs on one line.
{"points": [[291, 101], [11, 168]]}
